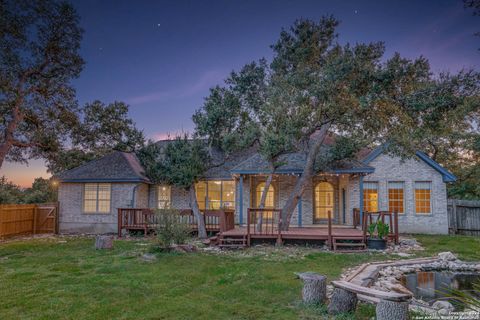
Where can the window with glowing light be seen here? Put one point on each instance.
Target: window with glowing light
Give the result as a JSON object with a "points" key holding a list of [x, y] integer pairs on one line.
{"points": [[396, 197], [370, 196], [96, 198], [423, 197], [164, 197], [215, 194], [323, 201]]}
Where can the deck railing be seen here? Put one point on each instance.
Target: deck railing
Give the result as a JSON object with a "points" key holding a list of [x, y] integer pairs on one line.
{"points": [[145, 219], [391, 218]]}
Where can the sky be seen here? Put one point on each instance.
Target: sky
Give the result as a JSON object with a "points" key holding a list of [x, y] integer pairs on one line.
{"points": [[161, 57]]}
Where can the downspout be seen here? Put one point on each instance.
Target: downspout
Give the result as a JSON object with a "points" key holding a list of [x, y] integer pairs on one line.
{"points": [[134, 194]]}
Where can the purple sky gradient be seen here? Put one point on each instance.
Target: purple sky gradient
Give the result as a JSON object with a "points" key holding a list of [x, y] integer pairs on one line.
{"points": [[161, 57]]}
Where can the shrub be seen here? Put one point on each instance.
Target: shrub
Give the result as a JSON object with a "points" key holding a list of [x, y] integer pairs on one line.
{"points": [[172, 229]]}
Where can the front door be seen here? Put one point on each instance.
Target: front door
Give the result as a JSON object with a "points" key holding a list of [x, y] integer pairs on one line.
{"points": [[324, 202]]}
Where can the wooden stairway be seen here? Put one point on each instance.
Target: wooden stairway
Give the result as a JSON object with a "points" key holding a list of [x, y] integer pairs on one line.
{"points": [[349, 243], [232, 242]]}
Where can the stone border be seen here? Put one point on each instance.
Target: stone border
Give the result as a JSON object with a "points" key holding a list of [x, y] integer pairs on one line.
{"points": [[386, 275]]}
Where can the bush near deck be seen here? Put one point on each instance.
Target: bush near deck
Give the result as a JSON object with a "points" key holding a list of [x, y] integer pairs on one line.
{"points": [[65, 278]]}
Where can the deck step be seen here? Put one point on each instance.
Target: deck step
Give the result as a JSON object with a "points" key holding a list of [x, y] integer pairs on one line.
{"points": [[346, 244]]}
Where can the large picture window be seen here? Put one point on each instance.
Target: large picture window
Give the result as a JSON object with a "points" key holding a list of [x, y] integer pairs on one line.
{"points": [[370, 196], [423, 197], [96, 198], [164, 197], [396, 197], [215, 194]]}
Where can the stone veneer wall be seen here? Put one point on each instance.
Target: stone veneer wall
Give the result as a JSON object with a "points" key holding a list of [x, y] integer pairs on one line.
{"points": [[388, 168], [74, 220]]}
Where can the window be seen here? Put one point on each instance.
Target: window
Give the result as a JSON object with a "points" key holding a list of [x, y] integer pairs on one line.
{"points": [[323, 201], [396, 197], [370, 196], [96, 197], [422, 197], [164, 197], [215, 194], [270, 200]]}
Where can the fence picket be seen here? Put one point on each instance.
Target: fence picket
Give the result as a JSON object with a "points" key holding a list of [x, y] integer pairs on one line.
{"points": [[464, 217]]}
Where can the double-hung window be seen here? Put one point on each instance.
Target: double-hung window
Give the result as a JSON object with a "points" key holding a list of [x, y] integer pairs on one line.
{"points": [[423, 191], [215, 194], [396, 198], [96, 197]]}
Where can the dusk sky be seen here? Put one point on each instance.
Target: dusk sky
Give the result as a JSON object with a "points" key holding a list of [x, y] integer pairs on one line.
{"points": [[161, 57]]}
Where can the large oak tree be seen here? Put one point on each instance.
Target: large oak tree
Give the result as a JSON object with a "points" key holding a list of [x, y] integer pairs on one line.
{"points": [[39, 56]]}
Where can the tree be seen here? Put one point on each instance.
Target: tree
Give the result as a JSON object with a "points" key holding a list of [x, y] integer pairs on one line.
{"points": [[40, 43], [42, 191], [182, 163], [10, 193], [103, 128], [316, 87]]}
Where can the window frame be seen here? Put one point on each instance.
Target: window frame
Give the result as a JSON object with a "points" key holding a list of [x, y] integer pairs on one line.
{"points": [[423, 214], [258, 195], [403, 196], [316, 220], [97, 200], [207, 200], [169, 201], [364, 199]]}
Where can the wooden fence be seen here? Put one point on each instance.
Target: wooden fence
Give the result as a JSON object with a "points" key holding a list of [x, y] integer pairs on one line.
{"points": [[464, 217], [25, 219]]}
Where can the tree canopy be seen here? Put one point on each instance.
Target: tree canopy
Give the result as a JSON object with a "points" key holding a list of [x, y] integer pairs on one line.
{"points": [[315, 86], [39, 56]]}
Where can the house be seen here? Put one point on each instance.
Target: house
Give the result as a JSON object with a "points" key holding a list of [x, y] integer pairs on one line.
{"points": [[90, 195]]}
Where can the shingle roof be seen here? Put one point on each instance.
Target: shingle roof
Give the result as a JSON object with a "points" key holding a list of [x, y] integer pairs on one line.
{"points": [[114, 167], [294, 163]]}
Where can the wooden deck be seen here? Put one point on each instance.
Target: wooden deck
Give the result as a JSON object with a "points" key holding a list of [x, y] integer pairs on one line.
{"points": [[310, 233]]}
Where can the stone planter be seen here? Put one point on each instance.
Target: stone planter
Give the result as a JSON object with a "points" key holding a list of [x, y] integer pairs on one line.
{"points": [[377, 244]]}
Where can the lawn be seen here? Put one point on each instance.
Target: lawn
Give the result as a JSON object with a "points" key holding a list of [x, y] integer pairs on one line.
{"points": [[66, 278]]}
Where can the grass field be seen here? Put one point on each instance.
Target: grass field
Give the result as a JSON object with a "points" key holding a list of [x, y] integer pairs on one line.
{"points": [[65, 278]]}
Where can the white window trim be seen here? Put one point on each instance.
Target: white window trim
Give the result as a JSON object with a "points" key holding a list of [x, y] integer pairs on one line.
{"points": [[404, 196], [415, 199], [96, 200]]}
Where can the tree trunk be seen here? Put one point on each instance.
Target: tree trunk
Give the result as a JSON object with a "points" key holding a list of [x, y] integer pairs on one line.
{"points": [[390, 310], [314, 288], [342, 301], [268, 182], [9, 131], [103, 242], [305, 177], [4, 149], [202, 231]]}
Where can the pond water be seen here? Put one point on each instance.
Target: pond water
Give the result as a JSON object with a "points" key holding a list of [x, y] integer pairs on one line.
{"points": [[429, 286]]}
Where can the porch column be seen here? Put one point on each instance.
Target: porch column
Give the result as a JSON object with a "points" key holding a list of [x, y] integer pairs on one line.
{"points": [[361, 201], [240, 196], [300, 211]]}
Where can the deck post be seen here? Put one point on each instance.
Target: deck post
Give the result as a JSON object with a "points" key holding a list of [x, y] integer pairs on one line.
{"points": [[248, 227], [119, 223], [240, 207], [395, 221], [361, 200], [300, 212], [330, 238]]}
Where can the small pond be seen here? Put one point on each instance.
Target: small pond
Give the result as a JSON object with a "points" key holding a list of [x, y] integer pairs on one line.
{"points": [[432, 285]]}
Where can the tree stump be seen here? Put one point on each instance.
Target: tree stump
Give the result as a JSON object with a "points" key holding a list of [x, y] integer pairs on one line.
{"points": [[392, 310], [103, 242], [342, 301], [314, 287]]}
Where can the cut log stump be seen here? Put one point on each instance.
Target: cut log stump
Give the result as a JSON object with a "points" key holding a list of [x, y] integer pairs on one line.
{"points": [[314, 287], [392, 310], [342, 301], [103, 242]]}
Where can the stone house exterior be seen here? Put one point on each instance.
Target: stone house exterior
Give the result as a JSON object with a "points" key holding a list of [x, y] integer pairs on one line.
{"points": [[90, 195]]}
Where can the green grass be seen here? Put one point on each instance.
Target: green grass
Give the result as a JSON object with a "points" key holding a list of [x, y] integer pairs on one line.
{"points": [[466, 247], [54, 279]]}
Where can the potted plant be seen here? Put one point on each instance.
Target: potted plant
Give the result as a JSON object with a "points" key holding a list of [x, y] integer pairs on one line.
{"points": [[378, 232]]}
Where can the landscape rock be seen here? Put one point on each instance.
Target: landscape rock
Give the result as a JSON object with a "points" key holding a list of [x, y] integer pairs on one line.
{"points": [[447, 256], [149, 257], [443, 305]]}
